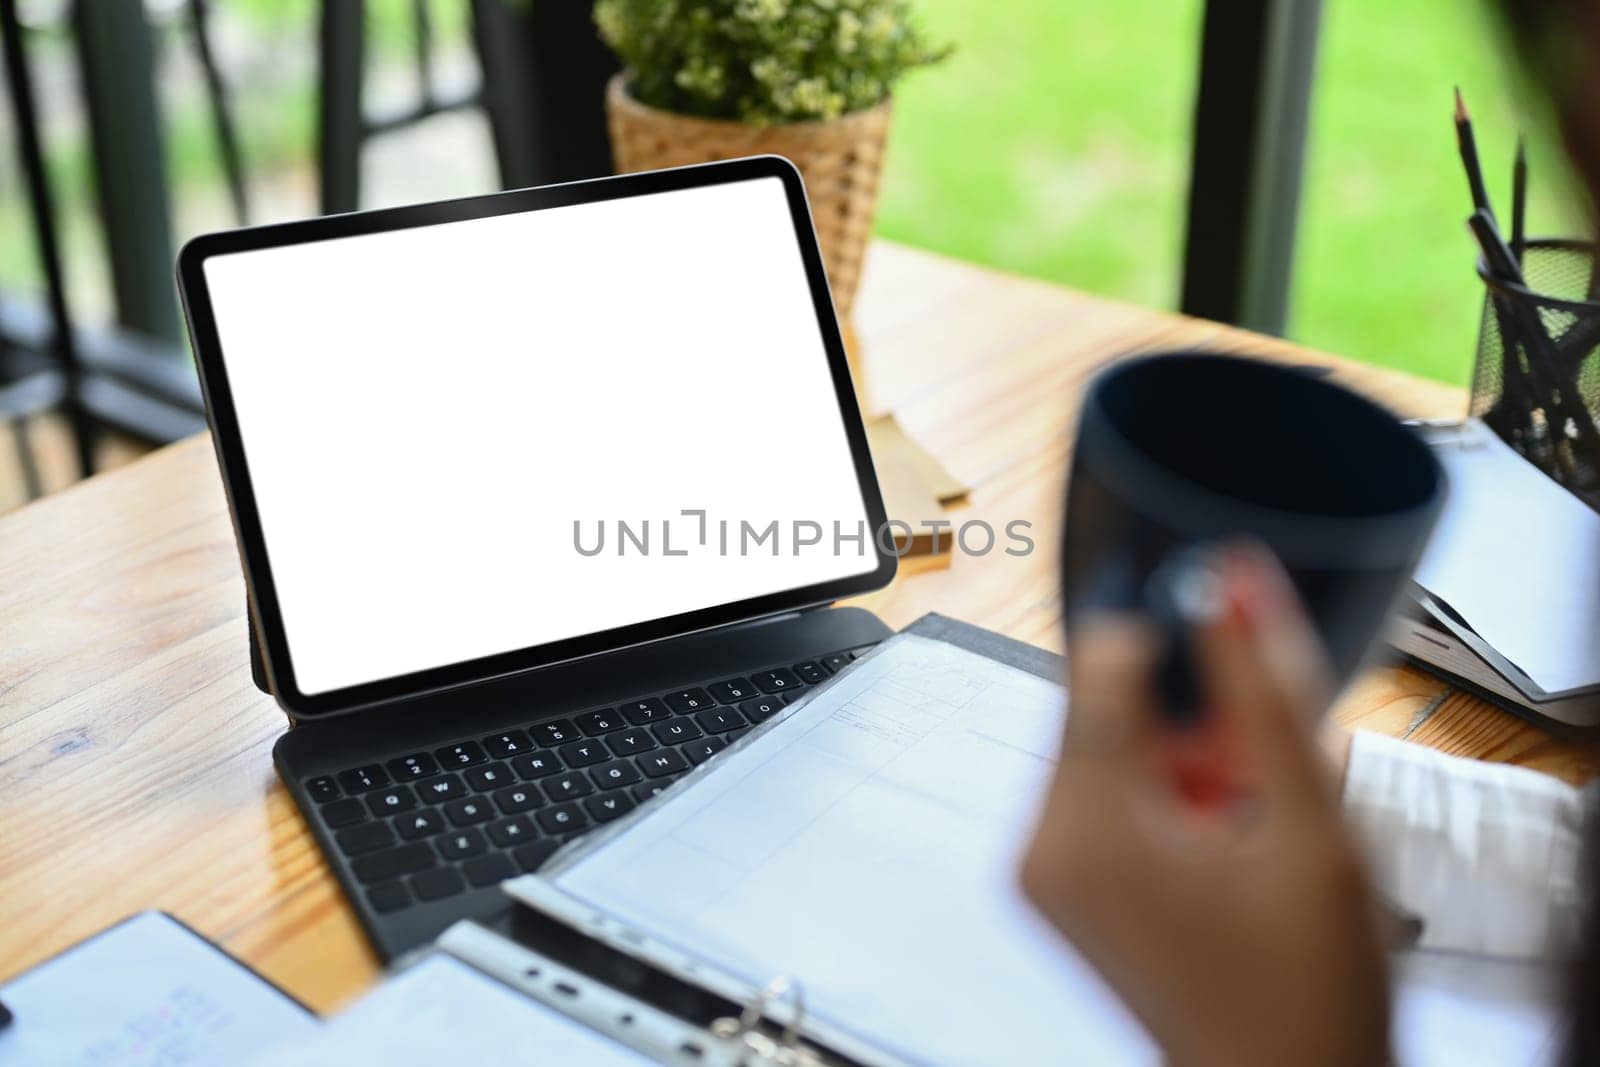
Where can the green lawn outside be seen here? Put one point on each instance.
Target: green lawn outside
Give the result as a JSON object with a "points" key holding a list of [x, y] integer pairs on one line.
{"points": [[1055, 143]]}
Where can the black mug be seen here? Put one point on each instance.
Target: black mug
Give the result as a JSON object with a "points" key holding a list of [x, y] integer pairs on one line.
{"points": [[1181, 451]]}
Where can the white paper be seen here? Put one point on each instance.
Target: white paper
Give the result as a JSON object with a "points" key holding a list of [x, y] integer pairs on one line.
{"points": [[1460, 1011], [147, 993], [867, 844], [443, 1013], [1518, 558]]}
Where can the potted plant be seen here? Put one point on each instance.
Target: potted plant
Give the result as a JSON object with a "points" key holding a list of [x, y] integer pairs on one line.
{"points": [[805, 79]]}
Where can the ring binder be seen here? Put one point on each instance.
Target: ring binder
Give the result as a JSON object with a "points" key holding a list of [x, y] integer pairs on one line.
{"points": [[806, 1039], [667, 1034], [746, 1038]]}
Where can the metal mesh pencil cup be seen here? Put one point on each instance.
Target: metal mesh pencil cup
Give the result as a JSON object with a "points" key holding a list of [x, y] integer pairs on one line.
{"points": [[1536, 381]]}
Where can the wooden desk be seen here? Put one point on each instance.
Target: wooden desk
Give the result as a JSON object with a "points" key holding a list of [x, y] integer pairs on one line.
{"points": [[134, 752]]}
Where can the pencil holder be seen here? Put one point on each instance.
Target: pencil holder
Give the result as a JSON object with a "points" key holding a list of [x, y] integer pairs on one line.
{"points": [[1536, 381]]}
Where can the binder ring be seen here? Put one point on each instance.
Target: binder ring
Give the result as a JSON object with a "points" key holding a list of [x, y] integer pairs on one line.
{"points": [[746, 1029]]}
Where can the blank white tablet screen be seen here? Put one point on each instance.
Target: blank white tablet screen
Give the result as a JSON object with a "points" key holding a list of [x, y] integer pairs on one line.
{"points": [[436, 419]]}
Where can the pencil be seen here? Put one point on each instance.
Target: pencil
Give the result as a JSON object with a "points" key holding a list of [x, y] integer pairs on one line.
{"points": [[1518, 393], [1519, 201], [1469, 157]]}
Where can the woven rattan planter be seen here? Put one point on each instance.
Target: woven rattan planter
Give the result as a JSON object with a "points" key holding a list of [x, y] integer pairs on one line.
{"points": [[841, 161]]}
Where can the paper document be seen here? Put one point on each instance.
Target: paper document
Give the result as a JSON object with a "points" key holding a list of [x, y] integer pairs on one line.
{"points": [[1518, 558], [146, 993], [868, 844], [443, 1013], [1460, 1011]]}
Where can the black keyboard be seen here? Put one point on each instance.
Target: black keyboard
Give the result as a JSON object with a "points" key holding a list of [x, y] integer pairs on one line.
{"points": [[477, 811]]}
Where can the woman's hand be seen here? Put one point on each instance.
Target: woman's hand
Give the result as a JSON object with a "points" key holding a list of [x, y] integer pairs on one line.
{"points": [[1205, 870]]}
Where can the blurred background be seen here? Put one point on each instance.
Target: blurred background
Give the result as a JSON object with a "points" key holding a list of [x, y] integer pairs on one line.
{"points": [[1141, 149]]}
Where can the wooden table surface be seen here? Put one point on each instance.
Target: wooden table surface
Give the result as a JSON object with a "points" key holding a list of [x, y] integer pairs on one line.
{"points": [[134, 752]]}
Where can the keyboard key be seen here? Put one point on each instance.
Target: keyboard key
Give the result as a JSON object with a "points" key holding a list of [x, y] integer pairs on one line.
{"points": [[790, 697], [734, 735], [444, 787], [517, 798], [733, 690], [719, 720], [508, 744], [645, 790], [660, 764], [702, 750], [416, 825], [469, 811], [512, 831], [489, 870], [595, 723], [608, 807], [631, 742], [392, 863], [613, 775], [584, 753], [569, 786], [489, 777], [775, 681], [836, 662], [367, 837], [562, 818], [761, 709], [466, 754], [537, 765], [322, 789], [531, 857], [388, 896], [686, 701], [391, 801], [857, 653], [675, 731], [345, 812], [811, 673], [461, 844], [437, 884], [550, 734], [362, 779], [411, 768], [641, 712]]}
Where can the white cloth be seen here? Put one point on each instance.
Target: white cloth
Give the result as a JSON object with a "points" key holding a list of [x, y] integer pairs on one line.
{"points": [[1486, 855]]}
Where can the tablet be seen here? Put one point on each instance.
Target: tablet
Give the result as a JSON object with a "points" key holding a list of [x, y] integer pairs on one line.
{"points": [[466, 439]]}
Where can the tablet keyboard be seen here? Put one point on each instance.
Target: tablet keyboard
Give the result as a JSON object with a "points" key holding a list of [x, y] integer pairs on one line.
{"points": [[477, 811]]}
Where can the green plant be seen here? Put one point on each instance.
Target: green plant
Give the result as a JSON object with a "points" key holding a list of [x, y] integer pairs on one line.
{"points": [[764, 61]]}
